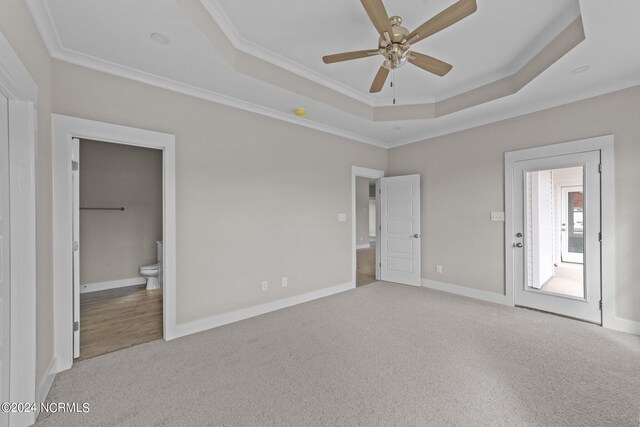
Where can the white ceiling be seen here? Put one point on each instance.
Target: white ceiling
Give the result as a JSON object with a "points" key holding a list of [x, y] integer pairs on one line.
{"points": [[482, 48], [114, 37]]}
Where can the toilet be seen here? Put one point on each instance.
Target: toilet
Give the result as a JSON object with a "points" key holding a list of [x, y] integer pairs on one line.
{"points": [[151, 273]]}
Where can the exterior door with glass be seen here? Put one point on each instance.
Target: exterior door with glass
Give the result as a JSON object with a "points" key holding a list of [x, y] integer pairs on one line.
{"points": [[570, 288]]}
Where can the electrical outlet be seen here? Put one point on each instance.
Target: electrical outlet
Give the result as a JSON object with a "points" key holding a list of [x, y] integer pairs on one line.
{"points": [[497, 216], [439, 269], [285, 282], [265, 285]]}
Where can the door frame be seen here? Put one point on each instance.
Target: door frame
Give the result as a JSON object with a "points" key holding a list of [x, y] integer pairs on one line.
{"points": [[605, 145], [21, 92], [564, 192], [64, 129], [357, 171]]}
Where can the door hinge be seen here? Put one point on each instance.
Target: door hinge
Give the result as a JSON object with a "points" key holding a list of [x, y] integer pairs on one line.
{"points": [[600, 304], [76, 326], [380, 191], [600, 168], [380, 227], [75, 245], [600, 236], [380, 264], [74, 166]]}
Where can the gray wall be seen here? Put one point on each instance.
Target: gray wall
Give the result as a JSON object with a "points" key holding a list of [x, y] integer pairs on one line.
{"points": [[257, 198], [362, 211], [114, 244], [462, 178], [18, 27]]}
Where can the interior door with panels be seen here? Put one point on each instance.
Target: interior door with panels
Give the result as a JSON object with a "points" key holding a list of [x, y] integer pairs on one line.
{"points": [[400, 229]]}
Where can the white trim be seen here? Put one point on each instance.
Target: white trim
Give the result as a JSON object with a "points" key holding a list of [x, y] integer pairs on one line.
{"points": [[466, 292], [366, 246], [42, 17], [47, 30], [623, 325], [257, 310], [246, 46], [357, 171], [45, 386], [23, 253], [111, 284], [21, 90], [522, 110], [15, 81], [64, 128], [605, 144]]}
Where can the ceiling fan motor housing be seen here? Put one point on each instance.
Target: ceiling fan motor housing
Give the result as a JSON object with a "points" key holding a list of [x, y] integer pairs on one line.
{"points": [[395, 52]]}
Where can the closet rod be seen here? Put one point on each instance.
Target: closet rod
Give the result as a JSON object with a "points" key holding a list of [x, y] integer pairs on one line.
{"points": [[102, 209]]}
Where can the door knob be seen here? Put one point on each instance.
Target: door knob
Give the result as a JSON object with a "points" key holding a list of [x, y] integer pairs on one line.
{"points": [[416, 236], [518, 245]]}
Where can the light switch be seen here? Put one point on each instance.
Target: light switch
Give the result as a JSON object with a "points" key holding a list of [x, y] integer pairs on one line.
{"points": [[497, 216], [342, 217]]}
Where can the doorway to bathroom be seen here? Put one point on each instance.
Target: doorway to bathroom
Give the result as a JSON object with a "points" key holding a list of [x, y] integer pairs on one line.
{"points": [[118, 235]]}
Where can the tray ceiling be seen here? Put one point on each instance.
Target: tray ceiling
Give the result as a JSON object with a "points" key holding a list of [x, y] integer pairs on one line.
{"points": [[114, 37]]}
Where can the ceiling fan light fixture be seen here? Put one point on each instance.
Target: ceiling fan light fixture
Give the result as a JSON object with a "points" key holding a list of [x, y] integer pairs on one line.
{"points": [[395, 41]]}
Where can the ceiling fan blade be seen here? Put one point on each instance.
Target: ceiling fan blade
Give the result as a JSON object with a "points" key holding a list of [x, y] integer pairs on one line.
{"points": [[429, 63], [444, 19], [378, 15], [346, 56], [379, 79]]}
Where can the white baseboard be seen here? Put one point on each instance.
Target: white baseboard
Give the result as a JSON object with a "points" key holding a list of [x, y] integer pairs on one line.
{"points": [[256, 310], [365, 246], [45, 385], [618, 324], [623, 325], [111, 284], [466, 292]]}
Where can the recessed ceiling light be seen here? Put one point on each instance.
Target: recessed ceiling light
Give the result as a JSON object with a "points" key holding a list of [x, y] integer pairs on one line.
{"points": [[397, 128], [160, 38], [580, 70]]}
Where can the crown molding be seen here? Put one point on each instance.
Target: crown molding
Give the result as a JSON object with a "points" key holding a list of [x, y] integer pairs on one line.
{"points": [[510, 113], [46, 27], [220, 17], [44, 23]]}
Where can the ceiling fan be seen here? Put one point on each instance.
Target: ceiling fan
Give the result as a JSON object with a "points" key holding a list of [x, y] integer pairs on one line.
{"points": [[396, 41]]}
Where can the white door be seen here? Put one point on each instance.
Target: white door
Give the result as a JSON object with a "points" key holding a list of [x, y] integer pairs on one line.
{"points": [[400, 229], [572, 290], [75, 179], [571, 230], [5, 260]]}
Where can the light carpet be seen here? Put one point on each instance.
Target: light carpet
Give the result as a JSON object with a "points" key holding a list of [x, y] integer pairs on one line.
{"points": [[379, 355]]}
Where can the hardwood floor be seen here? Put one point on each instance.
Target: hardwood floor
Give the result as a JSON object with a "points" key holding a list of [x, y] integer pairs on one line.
{"points": [[366, 265], [119, 318]]}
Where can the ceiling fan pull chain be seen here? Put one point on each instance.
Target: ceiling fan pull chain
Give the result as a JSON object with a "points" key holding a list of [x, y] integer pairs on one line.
{"points": [[393, 79]]}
